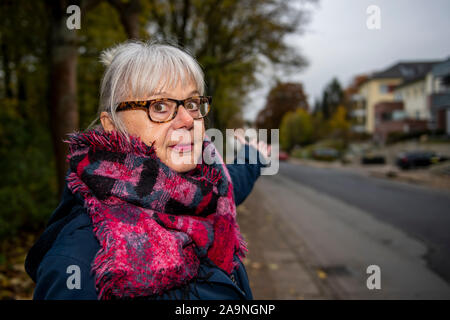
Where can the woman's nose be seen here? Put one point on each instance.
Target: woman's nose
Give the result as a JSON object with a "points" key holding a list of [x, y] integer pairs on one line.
{"points": [[183, 118]]}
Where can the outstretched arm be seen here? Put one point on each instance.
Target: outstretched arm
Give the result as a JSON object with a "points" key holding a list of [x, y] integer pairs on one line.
{"points": [[243, 174]]}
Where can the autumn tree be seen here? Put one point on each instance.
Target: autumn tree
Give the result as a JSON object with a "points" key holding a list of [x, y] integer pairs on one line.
{"points": [[296, 129], [332, 97], [232, 40], [282, 98], [338, 125], [131, 18], [354, 86]]}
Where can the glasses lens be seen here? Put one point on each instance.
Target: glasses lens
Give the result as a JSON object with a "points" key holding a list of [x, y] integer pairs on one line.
{"points": [[204, 107], [162, 110], [198, 107]]}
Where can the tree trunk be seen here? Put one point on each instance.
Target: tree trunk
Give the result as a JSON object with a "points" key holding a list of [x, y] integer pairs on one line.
{"points": [[130, 22], [6, 71], [129, 16], [63, 107]]}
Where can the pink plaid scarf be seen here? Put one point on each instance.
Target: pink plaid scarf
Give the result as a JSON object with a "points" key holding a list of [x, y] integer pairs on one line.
{"points": [[153, 224]]}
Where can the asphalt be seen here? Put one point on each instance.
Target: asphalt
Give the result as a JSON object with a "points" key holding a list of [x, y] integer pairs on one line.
{"points": [[421, 212]]}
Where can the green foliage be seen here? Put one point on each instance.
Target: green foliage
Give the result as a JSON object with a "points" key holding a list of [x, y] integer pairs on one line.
{"points": [[332, 97], [28, 184], [103, 30], [331, 121], [300, 153], [296, 129], [338, 125], [300, 128]]}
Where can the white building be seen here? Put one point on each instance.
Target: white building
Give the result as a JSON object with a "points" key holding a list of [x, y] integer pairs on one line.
{"points": [[414, 95]]}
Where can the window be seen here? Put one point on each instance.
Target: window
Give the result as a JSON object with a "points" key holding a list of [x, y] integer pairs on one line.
{"points": [[384, 89], [386, 116], [398, 115]]}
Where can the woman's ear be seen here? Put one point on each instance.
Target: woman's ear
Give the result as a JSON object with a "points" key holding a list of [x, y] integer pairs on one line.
{"points": [[106, 121]]}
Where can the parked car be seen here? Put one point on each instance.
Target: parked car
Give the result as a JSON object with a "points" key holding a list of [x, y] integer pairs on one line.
{"points": [[283, 155], [414, 159], [372, 158], [326, 154]]}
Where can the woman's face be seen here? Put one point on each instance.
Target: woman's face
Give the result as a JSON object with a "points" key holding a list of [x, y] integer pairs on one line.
{"points": [[174, 140]]}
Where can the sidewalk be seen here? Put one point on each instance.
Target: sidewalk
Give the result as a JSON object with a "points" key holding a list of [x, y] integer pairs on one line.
{"points": [[278, 264]]}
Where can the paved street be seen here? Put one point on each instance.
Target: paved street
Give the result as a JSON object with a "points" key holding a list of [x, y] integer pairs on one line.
{"points": [[313, 232]]}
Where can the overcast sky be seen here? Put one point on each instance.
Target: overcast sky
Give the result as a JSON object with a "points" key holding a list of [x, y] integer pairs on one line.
{"points": [[338, 43]]}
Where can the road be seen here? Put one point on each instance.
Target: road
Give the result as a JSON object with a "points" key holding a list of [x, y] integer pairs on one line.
{"points": [[349, 220]]}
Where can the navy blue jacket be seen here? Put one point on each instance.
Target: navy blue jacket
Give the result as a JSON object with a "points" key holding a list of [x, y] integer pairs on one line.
{"points": [[69, 240]]}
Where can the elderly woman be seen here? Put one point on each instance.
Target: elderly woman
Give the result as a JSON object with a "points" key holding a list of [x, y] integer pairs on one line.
{"points": [[143, 215]]}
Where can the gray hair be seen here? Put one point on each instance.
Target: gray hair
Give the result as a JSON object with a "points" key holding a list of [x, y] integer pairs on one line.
{"points": [[136, 69]]}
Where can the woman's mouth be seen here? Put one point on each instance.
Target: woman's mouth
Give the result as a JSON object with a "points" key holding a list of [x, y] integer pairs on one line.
{"points": [[182, 148]]}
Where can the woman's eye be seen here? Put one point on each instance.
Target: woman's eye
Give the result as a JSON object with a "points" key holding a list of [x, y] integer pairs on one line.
{"points": [[191, 106], [159, 107]]}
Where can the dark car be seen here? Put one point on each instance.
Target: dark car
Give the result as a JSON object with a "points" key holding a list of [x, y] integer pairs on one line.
{"points": [[414, 159]]}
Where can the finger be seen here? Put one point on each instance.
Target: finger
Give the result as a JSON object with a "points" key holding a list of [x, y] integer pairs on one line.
{"points": [[241, 139], [261, 145], [254, 142]]}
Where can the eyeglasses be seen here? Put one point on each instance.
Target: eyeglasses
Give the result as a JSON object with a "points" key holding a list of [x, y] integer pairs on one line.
{"points": [[165, 109]]}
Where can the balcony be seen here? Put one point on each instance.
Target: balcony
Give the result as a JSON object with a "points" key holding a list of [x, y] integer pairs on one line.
{"points": [[440, 100]]}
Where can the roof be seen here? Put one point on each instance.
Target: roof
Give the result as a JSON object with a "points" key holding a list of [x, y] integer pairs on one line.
{"points": [[441, 69], [407, 71], [410, 81]]}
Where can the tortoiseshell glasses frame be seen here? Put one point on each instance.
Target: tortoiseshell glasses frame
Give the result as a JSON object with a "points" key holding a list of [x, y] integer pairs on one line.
{"points": [[198, 109]]}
